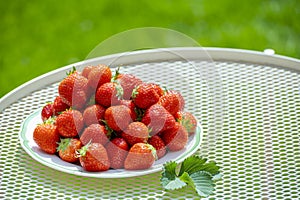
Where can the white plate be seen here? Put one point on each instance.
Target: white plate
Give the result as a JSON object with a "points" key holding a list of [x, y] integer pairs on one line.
{"points": [[53, 161]]}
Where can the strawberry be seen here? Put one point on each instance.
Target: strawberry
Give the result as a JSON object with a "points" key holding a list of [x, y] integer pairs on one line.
{"points": [[93, 157], [72, 90], [117, 150], [99, 75], [146, 94], [86, 71], [187, 120], [109, 94], [131, 106], [47, 111], [128, 82], [158, 119], [159, 145], [93, 114], [95, 133], [118, 117], [59, 106], [172, 101], [175, 138], [46, 136], [136, 132], [140, 156], [67, 149], [69, 123]]}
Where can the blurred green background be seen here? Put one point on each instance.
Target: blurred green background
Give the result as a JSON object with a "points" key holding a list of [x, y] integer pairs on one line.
{"points": [[39, 36]]}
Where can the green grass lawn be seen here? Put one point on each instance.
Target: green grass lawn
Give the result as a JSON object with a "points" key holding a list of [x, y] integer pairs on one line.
{"points": [[39, 36]]}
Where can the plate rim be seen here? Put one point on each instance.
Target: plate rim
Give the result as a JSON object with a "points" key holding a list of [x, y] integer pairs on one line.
{"points": [[24, 141]]}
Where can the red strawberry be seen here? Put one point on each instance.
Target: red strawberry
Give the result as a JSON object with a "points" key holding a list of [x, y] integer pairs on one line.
{"points": [[109, 94], [69, 123], [187, 120], [172, 101], [146, 94], [86, 71], [158, 119], [140, 156], [93, 157], [59, 106], [67, 149], [175, 138], [46, 137], [99, 75], [95, 133], [159, 145], [118, 117], [128, 83], [93, 114], [136, 132], [47, 111], [73, 90], [117, 150], [131, 106]]}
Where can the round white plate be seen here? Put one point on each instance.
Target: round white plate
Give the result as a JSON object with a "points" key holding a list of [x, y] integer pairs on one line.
{"points": [[53, 161]]}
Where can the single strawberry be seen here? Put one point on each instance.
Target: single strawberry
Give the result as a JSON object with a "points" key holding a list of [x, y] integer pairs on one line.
{"points": [[159, 145], [158, 89], [109, 94], [158, 119], [128, 83], [86, 70], [140, 156], [175, 138], [47, 111], [172, 101], [187, 120], [67, 149], [69, 123], [118, 117], [136, 132], [99, 75], [146, 94], [95, 133], [117, 150], [93, 157], [132, 107], [72, 90], [93, 114], [46, 136], [59, 106]]}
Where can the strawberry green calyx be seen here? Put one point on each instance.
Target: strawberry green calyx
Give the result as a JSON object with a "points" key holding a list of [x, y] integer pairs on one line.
{"points": [[63, 144], [82, 152], [185, 122], [72, 71], [134, 92], [115, 76], [153, 151], [109, 130], [50, 120], [165, 89], [139, 113], [120, 91]]}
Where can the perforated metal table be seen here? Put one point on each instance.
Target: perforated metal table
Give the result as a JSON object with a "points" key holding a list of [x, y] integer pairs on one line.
{"points": [[248, 104]]}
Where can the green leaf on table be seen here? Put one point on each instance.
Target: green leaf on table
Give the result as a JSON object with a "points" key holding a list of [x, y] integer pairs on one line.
{"points": [[169, 179], [194, 171], [203, 183], [196, 163]]}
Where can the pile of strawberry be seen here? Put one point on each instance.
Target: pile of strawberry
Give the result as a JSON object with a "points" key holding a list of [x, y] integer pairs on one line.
{"points": [[103, 121]]}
